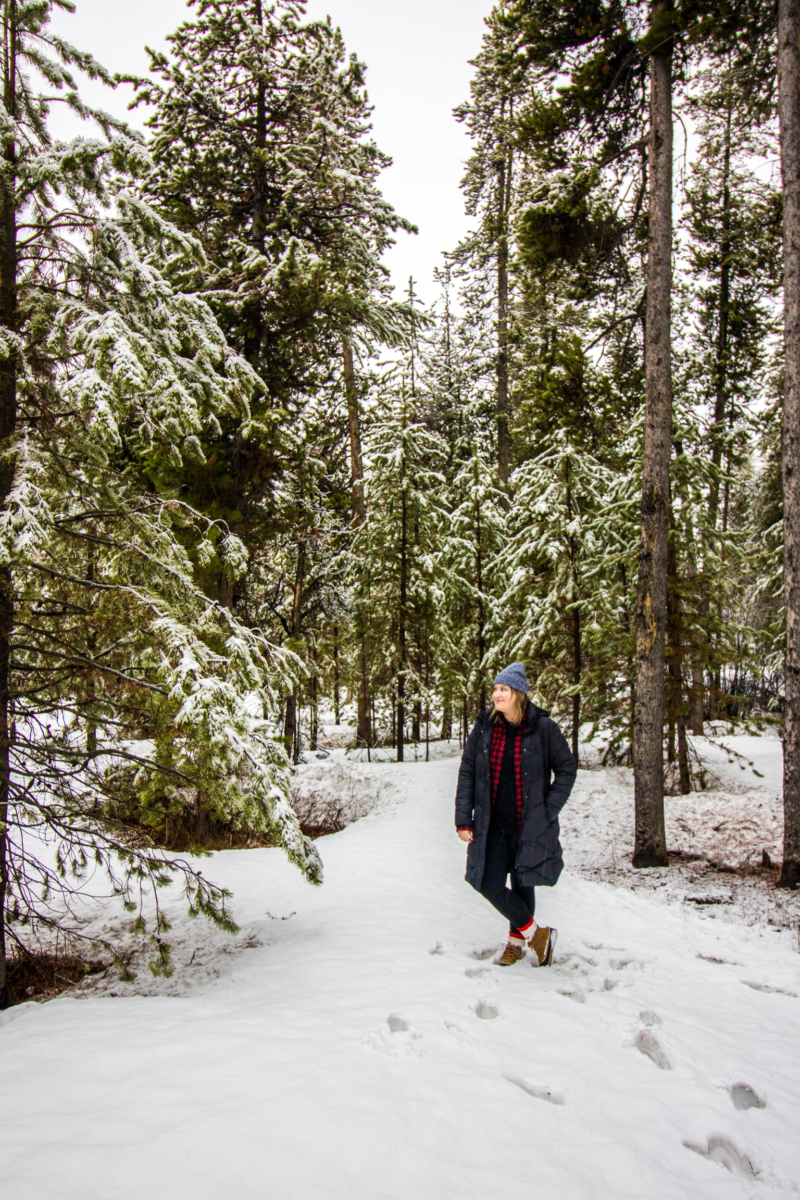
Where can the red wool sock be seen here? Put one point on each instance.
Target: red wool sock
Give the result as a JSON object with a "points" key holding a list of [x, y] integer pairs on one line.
{"points": [[524, 934]]}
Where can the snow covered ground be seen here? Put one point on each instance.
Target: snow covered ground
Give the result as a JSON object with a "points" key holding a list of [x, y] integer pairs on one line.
{"points": [[358, 1041]]}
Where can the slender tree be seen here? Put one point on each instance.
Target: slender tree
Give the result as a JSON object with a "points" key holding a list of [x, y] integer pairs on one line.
{"points": [[789, 111]]}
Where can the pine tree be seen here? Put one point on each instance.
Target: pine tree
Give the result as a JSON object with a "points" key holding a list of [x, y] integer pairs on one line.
{"points": [[110, 370], [489, 187], [474, 535]]}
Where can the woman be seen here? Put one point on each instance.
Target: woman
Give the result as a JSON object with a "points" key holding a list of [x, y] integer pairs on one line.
{"points": [[507, 809]]}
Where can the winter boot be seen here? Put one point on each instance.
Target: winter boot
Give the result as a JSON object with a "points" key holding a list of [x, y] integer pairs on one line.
{"points": [[543, 943], [512, 954]]}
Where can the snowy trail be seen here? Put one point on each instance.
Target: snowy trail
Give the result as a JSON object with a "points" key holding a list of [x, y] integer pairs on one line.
{"points": [[355, 1052]]}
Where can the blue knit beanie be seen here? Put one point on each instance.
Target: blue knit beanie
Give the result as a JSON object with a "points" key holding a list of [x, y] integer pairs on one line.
{"points": [[514, 677]]}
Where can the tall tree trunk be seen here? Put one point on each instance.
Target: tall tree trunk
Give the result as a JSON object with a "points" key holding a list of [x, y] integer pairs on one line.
{"points": [[479, 582], [401, 674], [720, 406], [677, 717], [650, 847], [789, 111], [8, 425], [504, 180], [577, 657], [447, 718], [358, 501], [359, 510], [290, 729], [577, 667], [336, 708]]}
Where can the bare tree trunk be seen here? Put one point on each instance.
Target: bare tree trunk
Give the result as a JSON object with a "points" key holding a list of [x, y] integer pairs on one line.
{"points": [[677, 717], [401, 674], [650, 847], [416, 722], [354, 427], [504, 179], [789, 111], [290, 728], [720, 406], [336, 708], [447, 718], [577, 667], [359, 509], [479, 581], [8, 425]]}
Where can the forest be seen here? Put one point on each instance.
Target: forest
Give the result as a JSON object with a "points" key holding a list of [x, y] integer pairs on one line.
{"points": [[245, 489]]}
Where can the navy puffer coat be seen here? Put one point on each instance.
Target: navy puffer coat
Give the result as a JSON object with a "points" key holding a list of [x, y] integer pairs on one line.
{"points": [[548, 773]]}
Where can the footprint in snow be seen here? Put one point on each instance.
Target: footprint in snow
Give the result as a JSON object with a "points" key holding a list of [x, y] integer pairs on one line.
{"points": [[476, 972], [649, 1018], [768, 987], [436, 948], [648, 1044], [460, 1035], [482, 955], [487, 1010], [573, 994], [539, 1093], [398, 1038], [722, 1150], [744, 1097]]}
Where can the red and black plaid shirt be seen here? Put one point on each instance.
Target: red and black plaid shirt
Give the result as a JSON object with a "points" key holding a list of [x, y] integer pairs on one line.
{"points": [[496, 760]]}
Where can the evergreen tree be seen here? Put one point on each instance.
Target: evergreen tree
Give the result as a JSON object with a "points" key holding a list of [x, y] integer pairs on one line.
{"points": [[110, 370]]}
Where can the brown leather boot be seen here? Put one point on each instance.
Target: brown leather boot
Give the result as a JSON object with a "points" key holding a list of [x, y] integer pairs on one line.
{"points": [[543, 943], [512, 954]]}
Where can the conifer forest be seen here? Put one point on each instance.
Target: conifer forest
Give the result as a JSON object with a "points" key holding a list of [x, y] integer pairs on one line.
{"points": [[249, 486]]}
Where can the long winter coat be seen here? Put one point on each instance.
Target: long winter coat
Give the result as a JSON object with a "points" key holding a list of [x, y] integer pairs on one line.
{"points": [[548, 773]]}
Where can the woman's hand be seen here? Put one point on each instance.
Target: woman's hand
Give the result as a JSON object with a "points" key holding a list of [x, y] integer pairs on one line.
{"points": [[465, 835]]}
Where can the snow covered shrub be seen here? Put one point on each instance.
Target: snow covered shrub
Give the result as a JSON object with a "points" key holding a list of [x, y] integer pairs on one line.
{"points": [[328, 798]]}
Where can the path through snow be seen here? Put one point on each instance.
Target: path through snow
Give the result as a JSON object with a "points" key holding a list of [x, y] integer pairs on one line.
{"points": [[368, 1048]]}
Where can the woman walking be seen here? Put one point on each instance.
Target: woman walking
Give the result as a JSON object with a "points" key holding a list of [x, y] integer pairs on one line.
{"points": [[515, 776]]}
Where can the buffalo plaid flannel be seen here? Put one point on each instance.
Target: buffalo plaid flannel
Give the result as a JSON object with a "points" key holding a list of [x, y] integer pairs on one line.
{"points": [[496, 761]]}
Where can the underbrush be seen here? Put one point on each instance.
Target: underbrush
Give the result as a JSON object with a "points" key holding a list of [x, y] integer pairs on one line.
{"points": [[326, 799], [41, 975]]}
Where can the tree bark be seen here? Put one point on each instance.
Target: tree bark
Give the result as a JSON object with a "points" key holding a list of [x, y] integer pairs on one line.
{"points": [[401, 674], [336, 708], [8, 425], [359, 511], [677, 717], [290, 731], [789, 113], [720, 406], [577, 667], [354, 426], [504, 178], [650, 847], [479, 581]]}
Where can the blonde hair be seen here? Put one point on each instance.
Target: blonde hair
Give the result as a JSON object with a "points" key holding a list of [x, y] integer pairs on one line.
{"points": [[521, 705]]}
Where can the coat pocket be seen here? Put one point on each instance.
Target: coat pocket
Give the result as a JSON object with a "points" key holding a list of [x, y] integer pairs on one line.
{"points": [[541, 848]]}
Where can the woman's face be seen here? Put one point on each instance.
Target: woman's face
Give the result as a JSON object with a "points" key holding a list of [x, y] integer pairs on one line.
{"points": [[503, 698]]}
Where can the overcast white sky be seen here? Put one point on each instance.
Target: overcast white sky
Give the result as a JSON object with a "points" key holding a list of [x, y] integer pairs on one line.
{"points": [[417, 54]]}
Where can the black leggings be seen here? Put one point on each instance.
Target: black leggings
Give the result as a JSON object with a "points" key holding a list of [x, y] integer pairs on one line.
{"points": [[517, 902]]}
